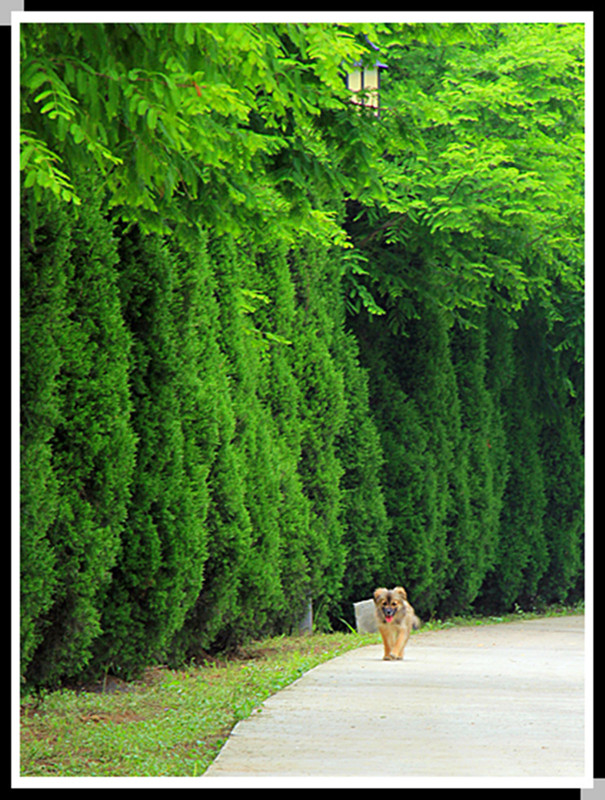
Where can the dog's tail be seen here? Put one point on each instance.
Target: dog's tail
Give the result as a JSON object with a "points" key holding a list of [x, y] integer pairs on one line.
{"points": [[416, 623]]}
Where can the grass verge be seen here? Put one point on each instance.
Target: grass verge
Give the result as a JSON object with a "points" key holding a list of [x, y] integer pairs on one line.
{"points": [[174, 722], [169, 723]]}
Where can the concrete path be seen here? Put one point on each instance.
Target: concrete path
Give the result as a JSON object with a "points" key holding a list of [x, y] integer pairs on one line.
{"points": [[492, 700]]}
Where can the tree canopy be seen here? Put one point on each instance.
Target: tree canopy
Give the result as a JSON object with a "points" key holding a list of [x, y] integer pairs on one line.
{"points": [[190, 124], [482, 171], [475, 165]]}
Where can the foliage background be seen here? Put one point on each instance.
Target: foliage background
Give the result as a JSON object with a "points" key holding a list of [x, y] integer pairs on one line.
{"points": [[276, 347]]}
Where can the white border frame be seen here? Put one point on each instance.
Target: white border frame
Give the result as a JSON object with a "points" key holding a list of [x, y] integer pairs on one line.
{"points": [[585, 17]]}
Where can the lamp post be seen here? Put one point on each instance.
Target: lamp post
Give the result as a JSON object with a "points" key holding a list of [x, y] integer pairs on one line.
{"points": [[364, 83]]}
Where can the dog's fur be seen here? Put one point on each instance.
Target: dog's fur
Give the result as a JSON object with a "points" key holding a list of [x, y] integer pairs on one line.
{"points": [[396, 618]]}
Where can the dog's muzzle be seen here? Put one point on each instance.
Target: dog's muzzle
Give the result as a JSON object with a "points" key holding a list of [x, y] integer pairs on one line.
{"points": [[389, 613]]}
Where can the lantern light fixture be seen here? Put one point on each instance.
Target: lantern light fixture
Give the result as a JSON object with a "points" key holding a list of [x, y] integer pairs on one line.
{"points": [[364, 83]]}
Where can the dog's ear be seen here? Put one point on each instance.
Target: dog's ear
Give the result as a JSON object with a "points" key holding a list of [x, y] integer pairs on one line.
{"points": [[400, 590], [378, 594]]}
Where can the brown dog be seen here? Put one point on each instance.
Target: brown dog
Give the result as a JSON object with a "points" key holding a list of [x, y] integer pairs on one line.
{"points": [[396, 618]]}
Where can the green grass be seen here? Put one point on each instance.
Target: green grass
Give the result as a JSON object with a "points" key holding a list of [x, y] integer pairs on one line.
{"points": [[170, 723], [173, 722], [516, 616]]}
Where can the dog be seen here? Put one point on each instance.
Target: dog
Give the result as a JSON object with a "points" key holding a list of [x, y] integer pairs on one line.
{"points": [[396, 618]]}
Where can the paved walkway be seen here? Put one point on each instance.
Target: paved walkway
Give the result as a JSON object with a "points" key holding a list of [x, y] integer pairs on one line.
{"points": [[485, 701]]}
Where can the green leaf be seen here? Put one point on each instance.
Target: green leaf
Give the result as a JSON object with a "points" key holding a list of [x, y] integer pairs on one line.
{"points": [[152, 118]]}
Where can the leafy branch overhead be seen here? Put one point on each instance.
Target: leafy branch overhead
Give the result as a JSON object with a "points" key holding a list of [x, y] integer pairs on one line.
{"points": [[475, 166], [216, 124], [483, 168]]}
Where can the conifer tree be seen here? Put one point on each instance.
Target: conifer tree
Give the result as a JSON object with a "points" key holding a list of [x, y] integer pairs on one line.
{"points": [[476, 442], [212, 620], [197, 357], [523, 508], [408, 484], [92, 443], [428, 375], [159, 575], [254, 441], [359, 451], [564, 512], [43, 316], [323, 408], [521, 554], [561, 454], [500, 371], [282, 396]]}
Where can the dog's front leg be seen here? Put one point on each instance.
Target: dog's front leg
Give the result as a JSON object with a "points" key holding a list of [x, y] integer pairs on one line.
{"points": [[402, 640], [386, 641]]}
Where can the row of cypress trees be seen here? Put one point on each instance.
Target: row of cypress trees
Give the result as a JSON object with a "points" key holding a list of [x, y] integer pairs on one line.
{"points": [[483, 475], [198, 458], [208, 442]]}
